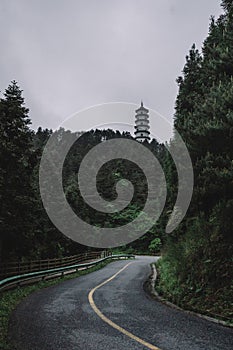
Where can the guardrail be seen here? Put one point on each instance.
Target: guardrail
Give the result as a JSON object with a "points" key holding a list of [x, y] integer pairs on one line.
{"points": [[21, 267], [26, 278]]}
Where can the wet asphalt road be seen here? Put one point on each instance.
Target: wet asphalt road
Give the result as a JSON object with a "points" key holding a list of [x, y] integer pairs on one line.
{"points": [[61, 318]]}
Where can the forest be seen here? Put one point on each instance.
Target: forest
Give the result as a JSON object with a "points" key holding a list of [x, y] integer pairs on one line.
{"points": [[196, 268]]}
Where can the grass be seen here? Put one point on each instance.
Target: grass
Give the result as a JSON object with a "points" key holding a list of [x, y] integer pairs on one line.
{"points": [[10, 299], [217, 304]]}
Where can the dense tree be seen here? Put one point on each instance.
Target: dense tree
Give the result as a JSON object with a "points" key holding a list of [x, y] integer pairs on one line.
{"points": [[16, 164], [197, 266], [26, 230]]}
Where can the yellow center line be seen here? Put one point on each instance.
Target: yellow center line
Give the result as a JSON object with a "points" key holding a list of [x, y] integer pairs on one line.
{"points": [[111, 323]]}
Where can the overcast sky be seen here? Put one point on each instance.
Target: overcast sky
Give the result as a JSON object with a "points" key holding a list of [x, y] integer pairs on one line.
{"points": [[71, 54]]}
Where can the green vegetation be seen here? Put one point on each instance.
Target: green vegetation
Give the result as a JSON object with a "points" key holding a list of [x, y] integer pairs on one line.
{"points": [[26, 231], [196, 270]]}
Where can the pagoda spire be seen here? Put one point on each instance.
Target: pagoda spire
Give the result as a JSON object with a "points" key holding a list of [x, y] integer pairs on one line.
{"points": [[142, 127]]}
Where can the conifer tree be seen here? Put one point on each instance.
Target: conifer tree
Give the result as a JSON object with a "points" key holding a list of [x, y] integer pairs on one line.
{"points": [[15, 167], [199, 262]]}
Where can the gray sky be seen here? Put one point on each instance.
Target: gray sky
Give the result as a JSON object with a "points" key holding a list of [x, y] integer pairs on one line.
{"points": [[71, 54]]}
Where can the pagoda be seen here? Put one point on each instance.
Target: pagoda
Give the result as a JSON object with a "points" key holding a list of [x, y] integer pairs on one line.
{"points": [[142, 127]]}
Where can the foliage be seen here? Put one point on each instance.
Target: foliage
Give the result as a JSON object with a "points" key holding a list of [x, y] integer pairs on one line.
{"points": [[26, 231], [16, 165], [197, 268], [155, 245]]}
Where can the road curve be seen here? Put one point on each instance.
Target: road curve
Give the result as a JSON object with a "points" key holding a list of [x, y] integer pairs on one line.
{"points": [[68, 316]]}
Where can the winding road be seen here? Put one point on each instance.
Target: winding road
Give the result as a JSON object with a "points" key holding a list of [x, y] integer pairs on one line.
{"points": [[108, 309]]}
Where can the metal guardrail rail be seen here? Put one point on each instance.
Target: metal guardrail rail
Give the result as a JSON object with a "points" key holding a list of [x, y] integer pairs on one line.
{"points": [[15, 281], [13, 268]]}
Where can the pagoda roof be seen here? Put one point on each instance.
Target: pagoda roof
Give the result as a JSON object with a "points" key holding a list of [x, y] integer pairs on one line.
{"points": [[142, 108]]}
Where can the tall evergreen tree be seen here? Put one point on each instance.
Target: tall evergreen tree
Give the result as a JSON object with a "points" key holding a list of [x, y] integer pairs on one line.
{"points": [[198, 267], [16, 168]]}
